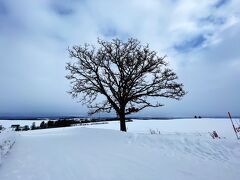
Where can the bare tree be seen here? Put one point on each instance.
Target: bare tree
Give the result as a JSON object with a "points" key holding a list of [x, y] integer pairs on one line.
{"points": [[124, 73]]}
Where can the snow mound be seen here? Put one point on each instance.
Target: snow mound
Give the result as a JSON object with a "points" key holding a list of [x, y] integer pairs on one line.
{"points": [[192, 144], [101, 154], [7, 140]]}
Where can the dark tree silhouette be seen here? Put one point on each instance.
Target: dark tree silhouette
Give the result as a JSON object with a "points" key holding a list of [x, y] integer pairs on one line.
{"points": [[124, 73], [33, 126], [43, 125]]}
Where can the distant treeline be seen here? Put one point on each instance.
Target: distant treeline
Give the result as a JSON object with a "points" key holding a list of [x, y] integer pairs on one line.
{"points": [[60, 123]]}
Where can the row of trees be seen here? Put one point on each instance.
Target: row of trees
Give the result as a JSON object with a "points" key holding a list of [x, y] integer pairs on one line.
{"points": [[54, 124], [48, 124], [60, 123]]}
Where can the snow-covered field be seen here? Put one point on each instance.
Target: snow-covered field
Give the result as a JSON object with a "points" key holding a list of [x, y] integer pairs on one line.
{"points": [[7, 140], [183, 151], [222, 126]]}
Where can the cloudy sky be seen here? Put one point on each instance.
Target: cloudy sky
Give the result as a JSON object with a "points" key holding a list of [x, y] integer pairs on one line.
{"points": [[200, 38]]}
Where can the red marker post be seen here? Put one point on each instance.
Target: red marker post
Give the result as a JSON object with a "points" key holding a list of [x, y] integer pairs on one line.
{"points": [[233, 125]]}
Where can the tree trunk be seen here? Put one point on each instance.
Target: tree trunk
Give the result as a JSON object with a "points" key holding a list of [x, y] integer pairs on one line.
{"points": [[122, 123]]}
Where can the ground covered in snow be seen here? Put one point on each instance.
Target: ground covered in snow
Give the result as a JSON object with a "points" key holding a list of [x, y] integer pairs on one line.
{"points": [[183, 150], [7, 140]]}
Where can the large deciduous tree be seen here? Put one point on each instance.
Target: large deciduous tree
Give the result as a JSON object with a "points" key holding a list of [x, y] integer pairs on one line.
{"points": [[126, 74]]}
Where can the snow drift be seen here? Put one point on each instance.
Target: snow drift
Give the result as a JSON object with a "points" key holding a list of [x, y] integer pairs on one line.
{"points": [[7, 139], [102, 154]]}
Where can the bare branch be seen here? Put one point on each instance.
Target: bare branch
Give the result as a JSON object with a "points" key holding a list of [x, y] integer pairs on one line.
{"points": [[125, 73]]}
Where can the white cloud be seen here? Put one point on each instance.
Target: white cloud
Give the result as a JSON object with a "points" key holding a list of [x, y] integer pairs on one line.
{"points": [[36, 34]]}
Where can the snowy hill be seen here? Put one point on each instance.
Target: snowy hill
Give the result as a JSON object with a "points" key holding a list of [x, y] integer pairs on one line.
{"points": [[104, 154], [7, 140]]}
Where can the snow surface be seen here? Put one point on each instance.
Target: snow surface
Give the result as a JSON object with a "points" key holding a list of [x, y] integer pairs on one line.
{"points": [[7, 140], [183, 151], [223, 126]]}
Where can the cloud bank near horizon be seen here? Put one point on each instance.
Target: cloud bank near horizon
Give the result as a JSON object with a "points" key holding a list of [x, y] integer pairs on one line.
{"points": [[201, 40]]}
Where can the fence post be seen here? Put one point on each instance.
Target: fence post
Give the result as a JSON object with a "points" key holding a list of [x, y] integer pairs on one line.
{"points": [[233, 125]]}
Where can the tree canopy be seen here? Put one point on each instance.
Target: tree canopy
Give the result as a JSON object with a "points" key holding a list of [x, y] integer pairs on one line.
{"points": [[126, 74]]}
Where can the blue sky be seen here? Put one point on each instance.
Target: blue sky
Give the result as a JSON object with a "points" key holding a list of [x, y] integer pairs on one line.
{"points": [[200, 38]]}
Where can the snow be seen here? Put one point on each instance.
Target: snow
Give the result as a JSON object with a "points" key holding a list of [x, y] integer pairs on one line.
{"points": [[222, 126], [7, 140], [184, 150]]}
